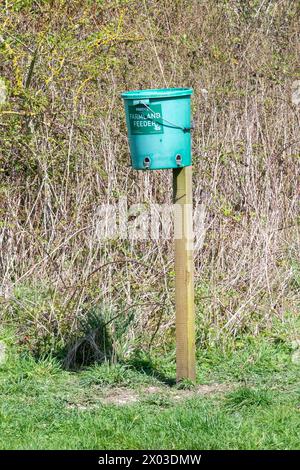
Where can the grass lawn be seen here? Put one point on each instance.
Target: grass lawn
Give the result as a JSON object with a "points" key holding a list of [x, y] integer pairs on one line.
{"points": [[244, 399]]}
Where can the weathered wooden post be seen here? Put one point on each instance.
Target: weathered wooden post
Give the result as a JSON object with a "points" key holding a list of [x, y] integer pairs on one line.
{"points": [[184, 271], [159, 134]]}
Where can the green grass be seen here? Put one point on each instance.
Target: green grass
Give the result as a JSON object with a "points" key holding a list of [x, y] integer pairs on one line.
{"points": [[45, 407]]}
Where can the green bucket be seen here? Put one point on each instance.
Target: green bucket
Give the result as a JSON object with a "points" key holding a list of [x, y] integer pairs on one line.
{"points": [[159, 127]]}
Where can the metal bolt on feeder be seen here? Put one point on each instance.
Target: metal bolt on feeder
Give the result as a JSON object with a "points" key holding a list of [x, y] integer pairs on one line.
{"points": [[159, 134]]}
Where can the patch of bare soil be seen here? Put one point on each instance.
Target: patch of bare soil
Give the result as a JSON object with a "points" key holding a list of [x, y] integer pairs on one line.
{"points": [[207, 389], [125, 396], [120, 396]]}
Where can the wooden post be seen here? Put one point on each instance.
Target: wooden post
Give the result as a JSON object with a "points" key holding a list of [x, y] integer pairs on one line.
{"points": [[184, 272]]}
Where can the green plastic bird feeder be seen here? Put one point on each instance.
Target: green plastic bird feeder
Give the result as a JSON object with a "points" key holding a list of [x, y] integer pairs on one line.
{"points": [[159, 127]]}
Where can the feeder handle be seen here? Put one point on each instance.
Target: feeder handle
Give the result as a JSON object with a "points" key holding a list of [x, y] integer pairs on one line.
{"points": [[184, 129]]}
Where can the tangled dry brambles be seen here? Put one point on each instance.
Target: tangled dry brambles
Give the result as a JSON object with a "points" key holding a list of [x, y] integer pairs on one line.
{"points": [[64, 153]]}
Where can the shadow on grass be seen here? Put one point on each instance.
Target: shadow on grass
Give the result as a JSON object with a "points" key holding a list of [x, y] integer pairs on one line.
{"points": [[144, 364], [94, 345]]}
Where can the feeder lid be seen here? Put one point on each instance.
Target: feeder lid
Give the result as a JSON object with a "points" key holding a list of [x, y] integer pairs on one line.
{"points": [[156, 93]]}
